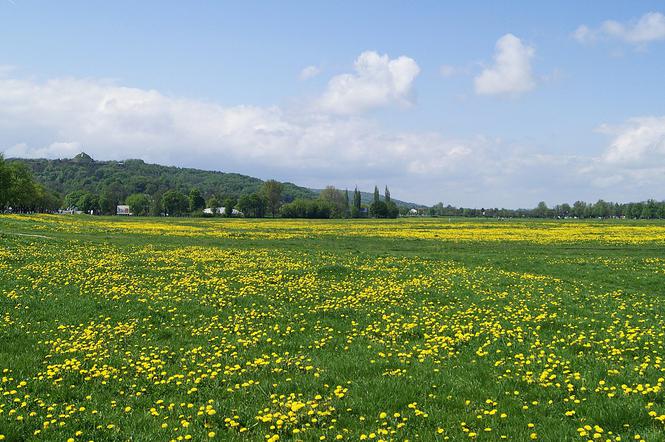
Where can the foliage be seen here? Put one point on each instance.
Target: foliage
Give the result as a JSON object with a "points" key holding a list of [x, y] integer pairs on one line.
{"points": [[135, 176], [229, 204], [109, 199], [336, 201], [252, 206], [175, 203], [213, 203], [196, 201], [272, 195], [650, 209], [88, 203], [20, 192], [357, 205], [139, 204], [302, 208]]}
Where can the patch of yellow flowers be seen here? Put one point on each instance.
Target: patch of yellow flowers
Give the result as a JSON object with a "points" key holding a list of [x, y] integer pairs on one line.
{"points": [[263, 343]]}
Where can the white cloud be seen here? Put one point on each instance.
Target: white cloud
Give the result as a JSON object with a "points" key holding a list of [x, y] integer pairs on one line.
{"points": [[511, 72], [61, 117], [648, 28], [377, 81], [640, 142], [309, 72], [632, 166]]}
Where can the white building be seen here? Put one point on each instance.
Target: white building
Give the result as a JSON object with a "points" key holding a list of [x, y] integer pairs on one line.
{"points": [[221, 211], [122, 210]]}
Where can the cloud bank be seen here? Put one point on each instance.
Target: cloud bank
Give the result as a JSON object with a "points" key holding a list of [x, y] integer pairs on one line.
{"points": [[648, 28], [58, 118]]}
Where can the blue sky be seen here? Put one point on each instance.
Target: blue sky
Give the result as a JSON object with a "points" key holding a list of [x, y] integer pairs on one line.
{"points": [[474, 104]]}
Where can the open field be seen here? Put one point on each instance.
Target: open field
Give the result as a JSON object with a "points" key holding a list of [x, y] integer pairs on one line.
{"points": [[418, 329]]}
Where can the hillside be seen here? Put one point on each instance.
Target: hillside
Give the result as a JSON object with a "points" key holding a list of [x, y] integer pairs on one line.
{"points": [[135, 176]]}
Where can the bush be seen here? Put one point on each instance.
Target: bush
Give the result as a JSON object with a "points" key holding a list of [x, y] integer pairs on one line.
{"points": [[302, 208]]}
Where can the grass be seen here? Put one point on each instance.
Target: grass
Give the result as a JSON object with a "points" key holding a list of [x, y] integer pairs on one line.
{"points": [[419, 329]]}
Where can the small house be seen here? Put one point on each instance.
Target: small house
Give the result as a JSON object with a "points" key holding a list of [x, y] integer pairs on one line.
{"points": [[122, 209]]}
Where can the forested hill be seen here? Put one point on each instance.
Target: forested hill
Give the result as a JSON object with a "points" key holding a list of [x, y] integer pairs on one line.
{"points": [[135, 176]]}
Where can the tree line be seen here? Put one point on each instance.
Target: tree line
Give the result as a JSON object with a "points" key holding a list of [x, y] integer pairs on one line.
{"points": [[333, 203], [21, 191], [650, 209]]}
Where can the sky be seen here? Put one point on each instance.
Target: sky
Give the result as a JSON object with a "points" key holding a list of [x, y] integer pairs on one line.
{"points": [[474, 104]]}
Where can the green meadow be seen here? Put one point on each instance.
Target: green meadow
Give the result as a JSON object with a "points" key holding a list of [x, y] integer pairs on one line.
{"points": [[154, 329]]}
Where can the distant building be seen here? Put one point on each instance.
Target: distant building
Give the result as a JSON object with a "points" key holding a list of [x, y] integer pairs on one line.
{"points": [[122, 210], [221, 210]]}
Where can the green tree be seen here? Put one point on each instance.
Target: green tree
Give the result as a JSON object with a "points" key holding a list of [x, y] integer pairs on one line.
{"points": [[156, 207], [600, 209], [377, 197], [175, 203], [5, 183], [252, 206], [347, 206], [302, 208], [213, 203], [335, 199], [196, 201], [49, 201], [392, 211], [229, 204], [109, 199], [579, 208], [378, 209], [661, 210], [565, 210], [23, 191], [357, 204], [541, 210], [357, 200], [89, 203], [139, 204], [387, 194], [272, 193], [650, 210], [72, 199]]}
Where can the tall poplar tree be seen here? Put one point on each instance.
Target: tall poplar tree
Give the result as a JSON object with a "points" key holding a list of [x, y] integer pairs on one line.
{"points": [[356, 199], [346, 203], [355, 208]]}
